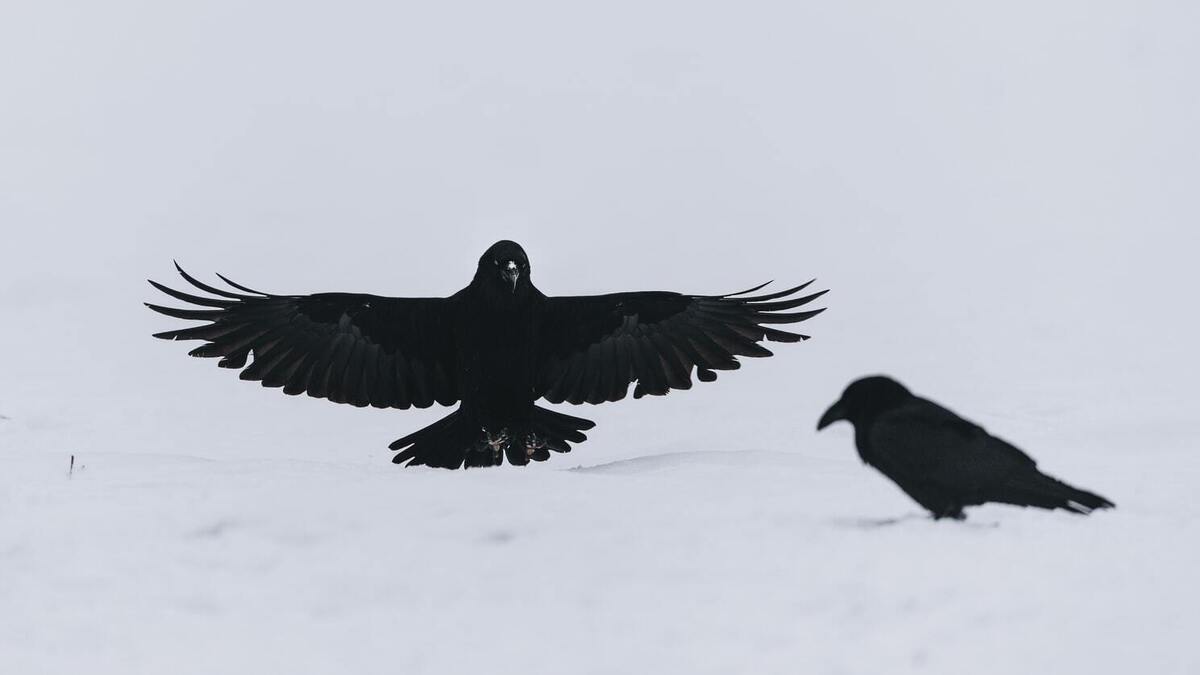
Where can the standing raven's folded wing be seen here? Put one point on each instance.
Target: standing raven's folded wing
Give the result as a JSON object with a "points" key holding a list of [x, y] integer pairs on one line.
{"points": [[592, 347], [346, 347]]}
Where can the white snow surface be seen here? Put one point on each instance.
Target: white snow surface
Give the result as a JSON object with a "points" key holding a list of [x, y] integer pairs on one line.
{"points": [[1002, 198]]}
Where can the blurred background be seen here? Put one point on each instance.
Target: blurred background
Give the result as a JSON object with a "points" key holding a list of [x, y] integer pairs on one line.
{"points": [[1001, 198]]}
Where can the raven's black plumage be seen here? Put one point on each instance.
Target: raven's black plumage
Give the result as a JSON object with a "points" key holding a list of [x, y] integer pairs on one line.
{"points": [[495, 347], [941, 460]]}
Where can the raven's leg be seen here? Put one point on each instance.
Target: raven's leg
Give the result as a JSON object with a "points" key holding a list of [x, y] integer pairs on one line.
{"points": [[536, 448], [952, 511], [489, 448], [497, 442]]}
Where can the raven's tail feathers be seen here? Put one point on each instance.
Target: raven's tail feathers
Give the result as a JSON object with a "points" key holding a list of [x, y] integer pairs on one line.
{"points": [[1037, 489], [454, 441]]}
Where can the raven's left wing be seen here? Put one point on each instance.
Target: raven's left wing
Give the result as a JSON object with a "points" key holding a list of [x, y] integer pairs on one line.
{"points": [[592, 347], [345, 347]]}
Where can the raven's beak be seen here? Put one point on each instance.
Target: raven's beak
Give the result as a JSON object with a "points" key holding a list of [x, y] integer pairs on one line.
{"points": [[836, 412], [511, 273]]}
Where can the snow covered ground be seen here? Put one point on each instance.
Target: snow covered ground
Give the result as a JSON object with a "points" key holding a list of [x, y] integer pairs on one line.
{"points": [[1002, 199]]}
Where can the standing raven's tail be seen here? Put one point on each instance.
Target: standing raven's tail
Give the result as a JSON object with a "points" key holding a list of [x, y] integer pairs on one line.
{"points": [[1034, 488], [455, 441]]}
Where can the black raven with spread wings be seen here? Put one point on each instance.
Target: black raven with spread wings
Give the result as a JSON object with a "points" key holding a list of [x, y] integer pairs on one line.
{"points": [[941, 460], [495, 347]]}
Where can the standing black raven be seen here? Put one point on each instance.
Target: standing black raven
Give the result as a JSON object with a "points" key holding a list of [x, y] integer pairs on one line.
{"points": [[496, 346], [941, 460]]}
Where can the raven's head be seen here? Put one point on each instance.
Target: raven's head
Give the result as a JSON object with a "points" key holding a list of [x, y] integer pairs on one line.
{"points": [[864, 399], [504, 267]]}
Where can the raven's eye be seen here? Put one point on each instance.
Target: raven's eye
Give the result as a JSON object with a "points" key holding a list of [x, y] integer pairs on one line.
{"points": [[496, 263]]}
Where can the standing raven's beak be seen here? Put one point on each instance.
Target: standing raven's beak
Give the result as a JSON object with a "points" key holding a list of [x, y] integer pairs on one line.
{"points": [[511, 273], [836, 412]]}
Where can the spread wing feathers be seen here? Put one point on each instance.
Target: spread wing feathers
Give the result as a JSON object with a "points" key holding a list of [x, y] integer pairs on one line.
{"points": [[346, 347], [592, 347]]}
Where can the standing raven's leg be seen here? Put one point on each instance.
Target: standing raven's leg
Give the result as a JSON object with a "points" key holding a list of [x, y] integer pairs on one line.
{"points": [[952, 511]]}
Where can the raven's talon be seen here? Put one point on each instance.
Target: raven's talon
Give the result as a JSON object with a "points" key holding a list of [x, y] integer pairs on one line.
{"points": [[533, 443], [495, 442]]}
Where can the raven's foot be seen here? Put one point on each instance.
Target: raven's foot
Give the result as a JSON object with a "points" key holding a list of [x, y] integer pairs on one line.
{"points": [[536, 448], [951, 512], [533, 443], [496, 442]]}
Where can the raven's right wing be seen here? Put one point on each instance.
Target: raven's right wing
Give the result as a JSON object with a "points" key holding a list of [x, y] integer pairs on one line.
{"points": [[346, 347]]}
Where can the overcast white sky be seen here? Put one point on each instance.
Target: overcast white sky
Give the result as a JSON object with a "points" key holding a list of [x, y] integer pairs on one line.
{"points": [[998, 194]]}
